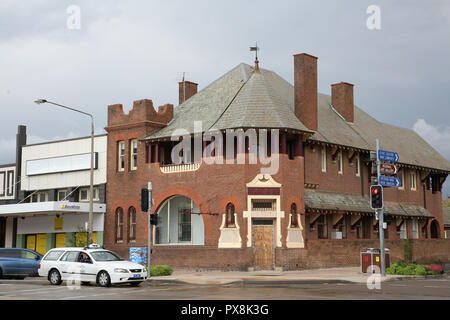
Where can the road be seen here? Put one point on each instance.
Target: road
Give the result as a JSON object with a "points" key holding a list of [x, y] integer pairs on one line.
{"points": [[40, 289]]}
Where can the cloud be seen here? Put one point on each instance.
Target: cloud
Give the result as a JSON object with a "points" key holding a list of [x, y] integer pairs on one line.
{"points": [[437, 136]]}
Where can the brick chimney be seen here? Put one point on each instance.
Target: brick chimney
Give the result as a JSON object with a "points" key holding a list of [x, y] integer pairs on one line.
{"points": [[186, 89], [305, 89], [342, 100]]}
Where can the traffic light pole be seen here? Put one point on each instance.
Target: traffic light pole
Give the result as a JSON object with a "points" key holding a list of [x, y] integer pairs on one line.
{"points": [[149, 248], [380, 213]]}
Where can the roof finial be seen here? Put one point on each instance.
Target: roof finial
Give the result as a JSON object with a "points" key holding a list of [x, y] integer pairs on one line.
{"points": [[255, 48]]}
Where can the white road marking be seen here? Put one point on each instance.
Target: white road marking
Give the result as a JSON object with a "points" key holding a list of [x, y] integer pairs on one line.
{"points": [[398, 285]]}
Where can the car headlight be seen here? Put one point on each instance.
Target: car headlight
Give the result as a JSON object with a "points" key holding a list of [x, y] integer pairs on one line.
{"points": [[120, 270]]}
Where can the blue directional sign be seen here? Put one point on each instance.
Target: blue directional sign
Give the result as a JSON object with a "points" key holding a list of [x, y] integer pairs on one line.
{"points": [[389, 182], [384, 155]]}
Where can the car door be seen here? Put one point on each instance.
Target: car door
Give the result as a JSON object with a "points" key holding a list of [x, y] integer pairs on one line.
{"points": [[69, 266], [30, 262], [88, 269], [11, 264], [6, 261]]}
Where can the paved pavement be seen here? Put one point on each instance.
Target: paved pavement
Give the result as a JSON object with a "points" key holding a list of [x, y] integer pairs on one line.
{"points": [[348, 274], [335, 283], [405, 289]]}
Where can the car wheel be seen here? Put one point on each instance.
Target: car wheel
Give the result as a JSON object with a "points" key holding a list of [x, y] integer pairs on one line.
{"points": [[135, 284], [54, 277], [103, 279], [1, 273]]}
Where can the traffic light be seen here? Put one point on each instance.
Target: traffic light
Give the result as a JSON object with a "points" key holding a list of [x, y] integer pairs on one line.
{"points": [[144, 200], [153, 219], [387, 218], [376, 197]]}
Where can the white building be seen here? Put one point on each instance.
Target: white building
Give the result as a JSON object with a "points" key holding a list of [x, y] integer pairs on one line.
{"points": [[53, 204]]}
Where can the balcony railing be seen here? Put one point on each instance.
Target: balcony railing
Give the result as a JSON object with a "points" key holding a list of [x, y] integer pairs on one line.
{"points": [[177, 168]]}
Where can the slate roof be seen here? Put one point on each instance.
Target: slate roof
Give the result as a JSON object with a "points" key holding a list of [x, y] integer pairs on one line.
{"points": [[244, 99], [324, 200], [446, 215]]}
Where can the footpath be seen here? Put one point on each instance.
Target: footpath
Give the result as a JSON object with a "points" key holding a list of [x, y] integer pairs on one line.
{"points": [[332, 275]]}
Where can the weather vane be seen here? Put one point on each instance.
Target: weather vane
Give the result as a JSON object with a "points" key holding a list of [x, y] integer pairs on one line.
{"points": [[255, 48]]}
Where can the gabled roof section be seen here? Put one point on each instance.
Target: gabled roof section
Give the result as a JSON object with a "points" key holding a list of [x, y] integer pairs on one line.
{"points": [[261, 103], [332, 127], [239, 99], [243, 98], [207, 105], [362, 134], [446, 212]]}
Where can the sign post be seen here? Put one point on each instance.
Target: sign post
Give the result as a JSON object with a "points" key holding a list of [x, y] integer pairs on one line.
{"points": [[149, 249], [380, 212]]}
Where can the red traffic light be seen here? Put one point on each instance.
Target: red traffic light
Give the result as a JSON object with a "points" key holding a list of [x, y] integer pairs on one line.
{"points": [[376, 197]]}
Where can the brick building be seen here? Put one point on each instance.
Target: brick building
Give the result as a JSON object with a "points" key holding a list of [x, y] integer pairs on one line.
{"points": [[446, 217], [281, 180]]}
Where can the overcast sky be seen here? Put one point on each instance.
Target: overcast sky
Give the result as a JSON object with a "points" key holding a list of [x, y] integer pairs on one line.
{"points": [[126, 51]]}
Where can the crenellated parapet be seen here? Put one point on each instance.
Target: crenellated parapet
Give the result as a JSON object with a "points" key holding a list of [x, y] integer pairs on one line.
{"points": [[142, 112]]}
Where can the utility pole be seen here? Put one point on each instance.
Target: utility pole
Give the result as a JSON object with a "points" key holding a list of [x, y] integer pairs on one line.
{"points": [[380, 213]]}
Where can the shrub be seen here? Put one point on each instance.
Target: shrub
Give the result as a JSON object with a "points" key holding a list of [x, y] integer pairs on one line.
{"points": [[433, 272], [421, 271], [410, 270], [156, 271], [402, 264], [401, 268]]}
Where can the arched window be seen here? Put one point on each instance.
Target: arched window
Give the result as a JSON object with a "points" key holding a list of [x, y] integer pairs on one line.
{"points": [[294, 218], [131, 224], [179, 222], [434, 229], [119, 224], [229, 218]]}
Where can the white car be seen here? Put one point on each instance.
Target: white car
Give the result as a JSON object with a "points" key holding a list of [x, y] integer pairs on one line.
{"points": [[89, 264]]}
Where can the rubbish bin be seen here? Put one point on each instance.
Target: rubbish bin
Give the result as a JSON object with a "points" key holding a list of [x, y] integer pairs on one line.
{"points": [[371, 257]]}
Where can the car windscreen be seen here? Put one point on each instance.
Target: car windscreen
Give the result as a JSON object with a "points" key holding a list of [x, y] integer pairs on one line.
{"points": [[105, 256]]}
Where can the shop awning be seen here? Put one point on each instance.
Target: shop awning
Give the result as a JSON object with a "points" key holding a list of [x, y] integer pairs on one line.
{"points": [[49, 207], [333, 202]]}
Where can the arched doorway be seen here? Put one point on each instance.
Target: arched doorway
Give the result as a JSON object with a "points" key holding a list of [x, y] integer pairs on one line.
{"points": [[434, 229], [179, 222]]}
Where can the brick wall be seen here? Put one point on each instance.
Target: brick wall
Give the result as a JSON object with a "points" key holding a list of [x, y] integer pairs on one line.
{"points": [[338, 253]]}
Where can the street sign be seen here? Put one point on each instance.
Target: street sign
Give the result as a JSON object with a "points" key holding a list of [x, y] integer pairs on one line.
{"points": [[388, 169], [389, 181], [384, 155]]}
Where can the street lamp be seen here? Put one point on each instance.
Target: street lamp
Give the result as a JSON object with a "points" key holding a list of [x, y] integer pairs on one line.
{"points": [[91, 189]]}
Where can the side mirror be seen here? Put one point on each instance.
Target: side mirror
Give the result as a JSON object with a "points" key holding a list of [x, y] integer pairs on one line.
{"points": [[37, 258]]}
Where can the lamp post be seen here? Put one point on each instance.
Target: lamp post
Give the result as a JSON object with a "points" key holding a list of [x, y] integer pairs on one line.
{"points": [[91, 189]]}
